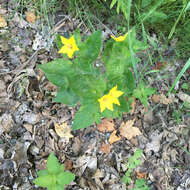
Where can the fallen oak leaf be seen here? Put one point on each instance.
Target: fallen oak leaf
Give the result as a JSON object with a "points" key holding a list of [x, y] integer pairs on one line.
{"points": [[3, 22], [184, 97], [128, 131], [141, 175], [105, 148], [159, 65], [161, 98], [68, 165], [107, 125], [63, 131], [113, 138], [30, 16]]}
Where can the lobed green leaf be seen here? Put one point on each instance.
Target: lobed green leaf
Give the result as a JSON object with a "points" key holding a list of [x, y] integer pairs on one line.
{"points": [[53, 165], [86, 116], [66, 96]]}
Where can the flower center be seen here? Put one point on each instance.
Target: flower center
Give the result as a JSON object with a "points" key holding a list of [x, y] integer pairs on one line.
{"points": [[105, 99], [69, 46]]}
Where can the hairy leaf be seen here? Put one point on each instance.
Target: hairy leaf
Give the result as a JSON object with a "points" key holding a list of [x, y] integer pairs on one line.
{"points": [[53, 165], [65, 178], [66, 96], [86, 116]]}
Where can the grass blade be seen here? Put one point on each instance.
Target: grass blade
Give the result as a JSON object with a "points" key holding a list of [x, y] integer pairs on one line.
{"points": [[186, 66]]}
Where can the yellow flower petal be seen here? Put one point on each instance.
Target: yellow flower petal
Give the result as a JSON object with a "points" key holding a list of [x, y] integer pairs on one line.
{"points": [[64, 40], [109, 99], [115, 93], [120, 38], [63, 50], [105, 102], [69, 47], [116, 101]]}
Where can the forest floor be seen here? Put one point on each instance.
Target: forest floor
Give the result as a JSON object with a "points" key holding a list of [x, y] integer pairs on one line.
{"points": [[28, 117]]}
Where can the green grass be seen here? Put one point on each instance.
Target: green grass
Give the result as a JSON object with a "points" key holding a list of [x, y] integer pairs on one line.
{"points": [[45, 9], [186, 66]]}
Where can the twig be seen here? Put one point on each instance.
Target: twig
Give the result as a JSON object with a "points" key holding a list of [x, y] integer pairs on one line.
{"points": [[21, 67]]}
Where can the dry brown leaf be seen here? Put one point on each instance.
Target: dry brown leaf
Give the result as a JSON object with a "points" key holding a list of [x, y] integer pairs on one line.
{"points": [[133, 105], [184, 97], [161, 98], [105, 148], [159, 65], [28, 127], [63, 130], [141, 175], [3, 22], [156, 98], [68, 165], [127, 130], [30, 16], [113, 138], [106, 125]]}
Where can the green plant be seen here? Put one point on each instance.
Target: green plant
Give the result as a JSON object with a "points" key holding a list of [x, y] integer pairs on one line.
{"points": [[142, 93], [133, 162], [54, 177], [121, 6], [185, 86], [140, 185], [185, 67], [102, 91], [177, 114]]}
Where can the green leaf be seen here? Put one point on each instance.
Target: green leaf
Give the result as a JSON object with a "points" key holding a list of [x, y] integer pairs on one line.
{"points": [[58, 71], [113, 3], [124, 104], [142, 93], [138, 153], [65, 178], [45, 181], [133, 162], [114, 68], [77, 37], [157, 17], [58, 41], [89, 51], [129, 81], [86, 116], [88, 86], [145, 3], [140, 185], [66, 96], [126, 179], [53, 165], [57, 79], [111, 114], [42, 172], [107, 50], [58, 187]]}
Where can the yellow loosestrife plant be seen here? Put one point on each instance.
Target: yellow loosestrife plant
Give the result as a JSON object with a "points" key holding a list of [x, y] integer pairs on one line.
{"points": [[100, 92]]}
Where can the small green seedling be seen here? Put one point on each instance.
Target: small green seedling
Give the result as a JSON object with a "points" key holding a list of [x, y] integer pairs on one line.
{"points": [[140, 185], [133, 162], [142, 93], [54, 177]]}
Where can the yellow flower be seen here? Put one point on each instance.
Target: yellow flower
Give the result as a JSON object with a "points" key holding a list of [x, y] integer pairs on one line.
{"points": [[69, 47], [106, 102], [115, 94], [109, 99], [120, 38]]}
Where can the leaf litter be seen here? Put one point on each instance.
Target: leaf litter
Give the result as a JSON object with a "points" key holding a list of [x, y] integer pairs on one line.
{"points": [[96, 155]]}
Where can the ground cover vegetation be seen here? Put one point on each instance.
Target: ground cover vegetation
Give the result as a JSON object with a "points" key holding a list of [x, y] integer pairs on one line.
{"points": [[114, 103]]}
